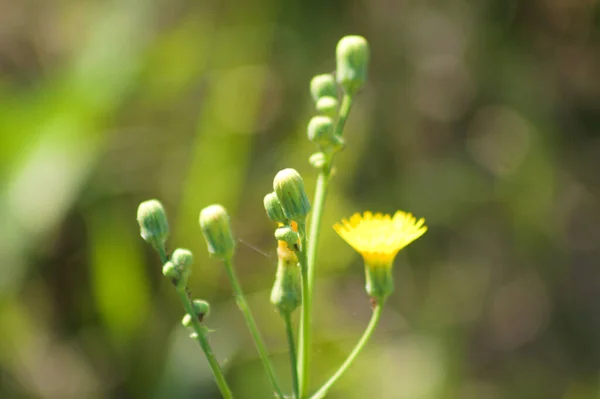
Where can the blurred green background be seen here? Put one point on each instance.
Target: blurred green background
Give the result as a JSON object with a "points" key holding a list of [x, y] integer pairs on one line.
{"points": [[481, 116]]}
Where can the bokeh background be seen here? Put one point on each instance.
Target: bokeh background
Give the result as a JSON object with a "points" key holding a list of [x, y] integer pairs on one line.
{"points": [[481, 116]]}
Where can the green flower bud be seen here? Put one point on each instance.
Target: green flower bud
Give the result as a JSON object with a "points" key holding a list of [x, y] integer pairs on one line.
{"points": [[154, 227], [323, 86], [320, 131], [289, 187], [214, 223], [287, 235], [328, 106], [187, 320], [286, 293], [352, 56], [170, 271], [318, 160], [201, 309], [179, 268], [380, 282], [182, 258], [274, 209]]}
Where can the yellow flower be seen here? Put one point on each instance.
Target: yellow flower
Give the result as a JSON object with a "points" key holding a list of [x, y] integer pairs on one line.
{"points": [[378, 237]]}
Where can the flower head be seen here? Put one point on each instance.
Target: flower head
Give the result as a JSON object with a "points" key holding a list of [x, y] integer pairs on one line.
{"points": [[378, 237]]}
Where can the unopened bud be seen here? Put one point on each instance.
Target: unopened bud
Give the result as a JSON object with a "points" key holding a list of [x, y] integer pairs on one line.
{"points": [[182, 258], [170, 271], [286, 293], [328, 106], [320, 131], [289, 187], [214, 223], [323, 86], [352, 56], [154, 227], [318, 160], [201, 309], [179, 268], [273, 208], [287, 235]]}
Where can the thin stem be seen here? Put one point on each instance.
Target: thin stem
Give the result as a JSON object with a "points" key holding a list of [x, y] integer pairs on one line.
{"points": [[162, 253], [357, 349], [292, 347], [258, 340], [344, 112], [304, 359], [202, 338], [200, 330], [308, 275]]}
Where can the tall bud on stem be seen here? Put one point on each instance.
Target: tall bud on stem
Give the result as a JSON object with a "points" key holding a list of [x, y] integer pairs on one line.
{"points": [[352, 57], [214, 223]]}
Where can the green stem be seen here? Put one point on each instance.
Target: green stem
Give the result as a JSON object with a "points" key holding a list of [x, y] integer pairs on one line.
{"points": [[292, 347], [305, 317], [201, 332], [308, 275], [202, 338], [357, 349], [162, 253], [258, 340], [344, 112]]}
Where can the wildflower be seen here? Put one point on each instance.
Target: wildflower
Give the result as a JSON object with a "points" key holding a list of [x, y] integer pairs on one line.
{"points": [[378, 238]]}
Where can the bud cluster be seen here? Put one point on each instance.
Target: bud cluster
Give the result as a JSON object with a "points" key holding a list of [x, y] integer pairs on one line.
{"points": [[154, 229], [201, 310], [352, 58], [288, 206], [179, 268], [320, 131]]}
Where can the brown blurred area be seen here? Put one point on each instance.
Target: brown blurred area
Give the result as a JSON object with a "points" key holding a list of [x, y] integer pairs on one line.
{"points": [[483, 117]]}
